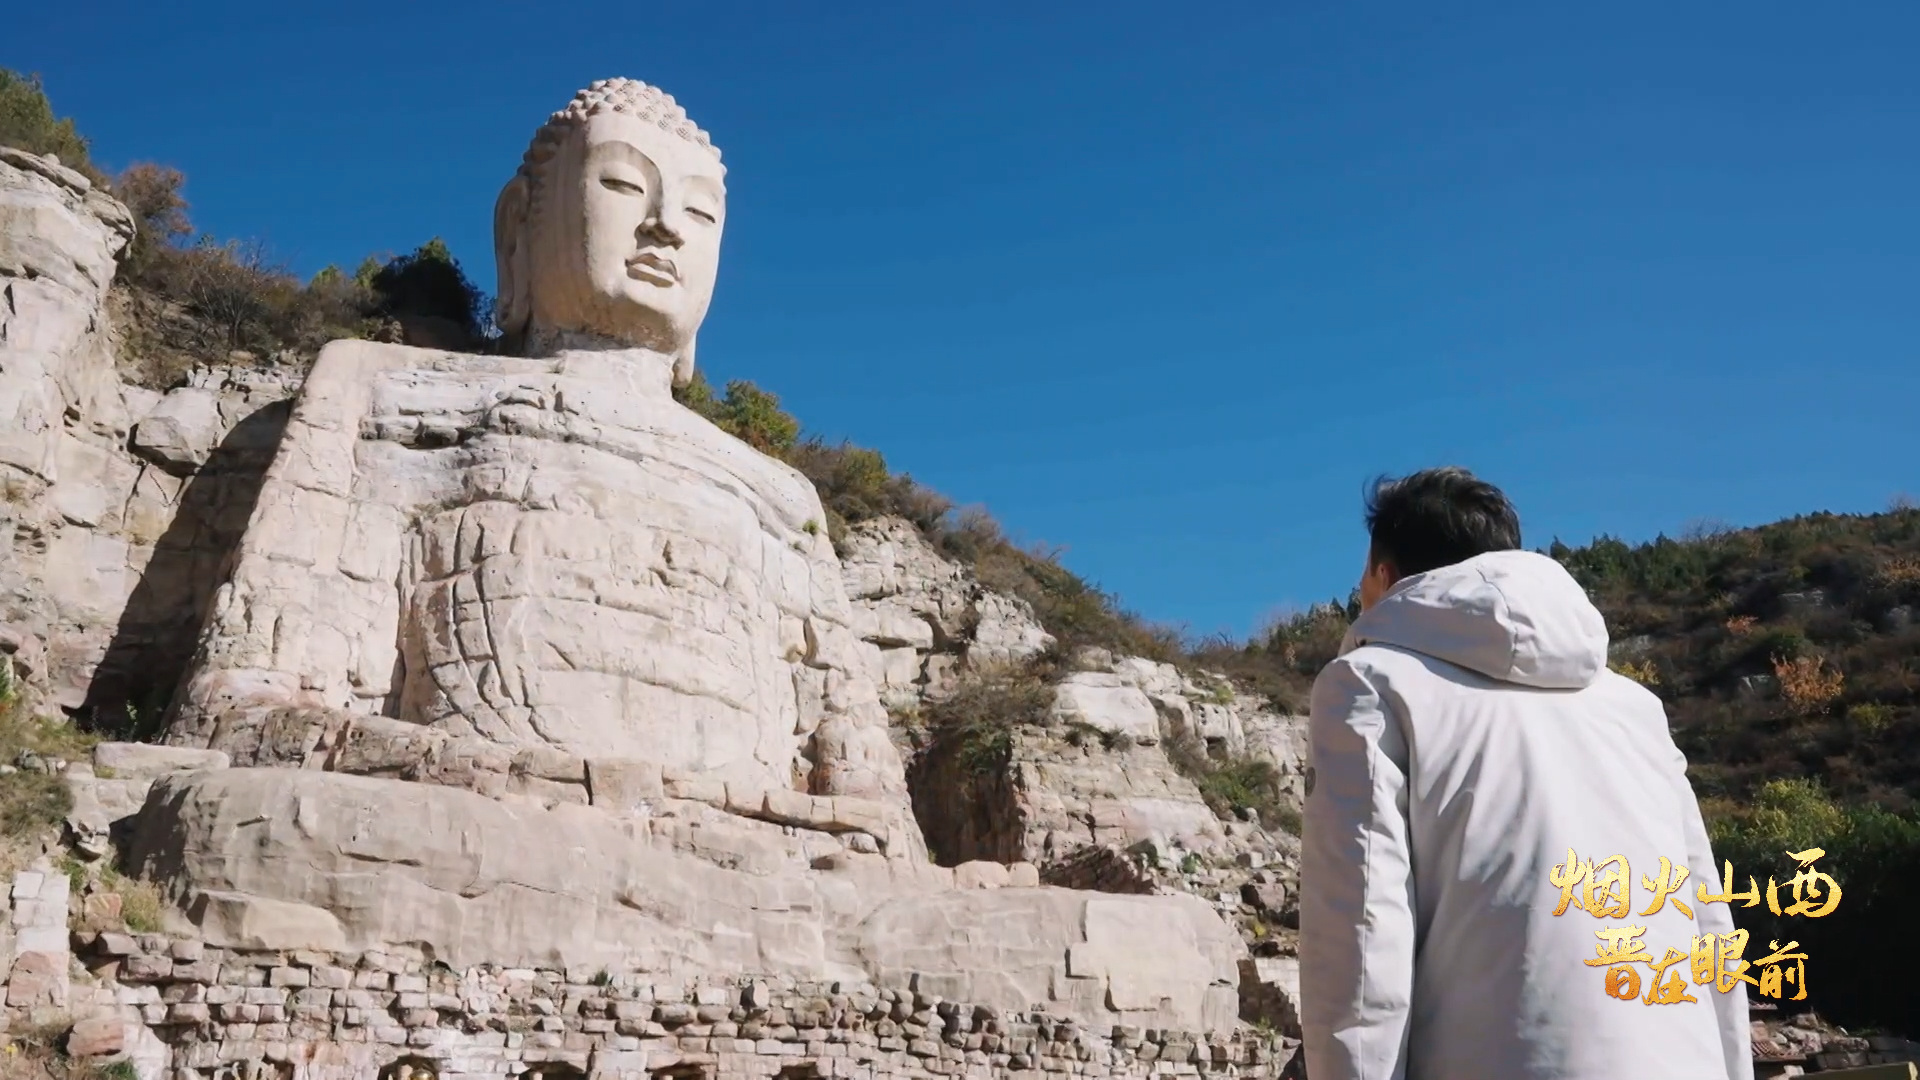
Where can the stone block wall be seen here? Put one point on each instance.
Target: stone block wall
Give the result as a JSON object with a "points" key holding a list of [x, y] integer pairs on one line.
{"points": [[180, 1010], [35, 944]]}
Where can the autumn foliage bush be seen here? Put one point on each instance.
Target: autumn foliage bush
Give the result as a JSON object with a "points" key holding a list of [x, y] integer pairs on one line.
{"points": [[1807, 682]]}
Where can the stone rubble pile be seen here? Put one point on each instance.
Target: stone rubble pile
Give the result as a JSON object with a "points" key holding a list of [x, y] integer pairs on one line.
{"points": [[1803, 1044]]}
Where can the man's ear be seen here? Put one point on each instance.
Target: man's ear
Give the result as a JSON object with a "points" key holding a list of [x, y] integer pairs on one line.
{"points": [[513, 308], [1381, 567]]}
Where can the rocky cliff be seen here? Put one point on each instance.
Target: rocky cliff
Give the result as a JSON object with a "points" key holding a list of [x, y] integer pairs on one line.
{"points": [[120, 504]]}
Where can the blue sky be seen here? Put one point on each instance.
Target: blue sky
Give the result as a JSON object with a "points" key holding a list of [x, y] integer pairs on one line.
{"points": [[1164, 286]]}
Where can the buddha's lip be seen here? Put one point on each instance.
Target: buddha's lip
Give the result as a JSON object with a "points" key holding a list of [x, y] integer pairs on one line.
{"points": [[660, 265]]}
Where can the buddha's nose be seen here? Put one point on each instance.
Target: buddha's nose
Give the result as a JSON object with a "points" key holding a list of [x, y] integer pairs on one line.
{"points": [[665, 226]]}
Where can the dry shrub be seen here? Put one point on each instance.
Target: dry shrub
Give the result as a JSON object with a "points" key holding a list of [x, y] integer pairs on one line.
{"points": [[1643, 672], [1740, 625], [1309, 640], [1808, 682], [203, 296], [1233, 784], [152, 192], [234, 286], [1254, 668], [974, 726], [140, 904], [27, 123], [1870, 718], [1901, 570]]}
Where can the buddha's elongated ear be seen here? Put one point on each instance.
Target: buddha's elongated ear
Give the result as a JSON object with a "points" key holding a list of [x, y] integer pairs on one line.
{"points": [[514, 306], [683, 365]]}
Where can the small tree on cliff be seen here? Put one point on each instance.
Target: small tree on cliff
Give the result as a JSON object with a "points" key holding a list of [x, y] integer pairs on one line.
{"points": [[429, 283], [27, 123], [152, 193]]}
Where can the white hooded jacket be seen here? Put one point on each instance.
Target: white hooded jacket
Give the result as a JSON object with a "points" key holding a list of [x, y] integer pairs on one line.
{"points": [[1469, 735]]}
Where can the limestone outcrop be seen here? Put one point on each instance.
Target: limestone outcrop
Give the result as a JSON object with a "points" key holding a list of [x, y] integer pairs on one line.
{"points": [[117, 504], [1102, 772], [63, 485], [1100, 792], [925, 618]]}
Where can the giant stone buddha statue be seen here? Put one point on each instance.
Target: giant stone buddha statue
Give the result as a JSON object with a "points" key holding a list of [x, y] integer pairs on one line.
{"points": [[520, 662], [546, 549]]}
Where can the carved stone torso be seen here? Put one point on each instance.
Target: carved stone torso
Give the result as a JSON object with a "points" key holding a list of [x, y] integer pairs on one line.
{"points": [[596, 571], [540, 552]]}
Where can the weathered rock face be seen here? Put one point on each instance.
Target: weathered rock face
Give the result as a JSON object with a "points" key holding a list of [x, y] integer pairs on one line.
{"points": [[290, 859], [114, 522], [1100, 790], [1103, 775], [926, 618], [58, 242], [61, 417]]}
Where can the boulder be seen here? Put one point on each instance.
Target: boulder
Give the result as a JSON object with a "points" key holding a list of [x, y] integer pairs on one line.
{"points": [[929, 615], [137, 761], [1101, 700], [181, 431]]}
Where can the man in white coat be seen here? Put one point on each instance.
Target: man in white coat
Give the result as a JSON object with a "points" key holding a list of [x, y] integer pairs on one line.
{"points": [[1474, 770]]}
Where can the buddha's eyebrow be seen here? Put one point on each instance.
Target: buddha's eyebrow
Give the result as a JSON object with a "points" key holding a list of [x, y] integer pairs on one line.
{"points": [[707, 185], [619, 150]]}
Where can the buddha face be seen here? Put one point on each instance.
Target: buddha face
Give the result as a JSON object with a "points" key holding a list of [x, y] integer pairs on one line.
{"points": [[625, 240]]}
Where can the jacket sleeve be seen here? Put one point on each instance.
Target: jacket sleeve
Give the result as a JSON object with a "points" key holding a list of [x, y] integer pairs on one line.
{"points": [[1729, 1009], [1357, 911]]}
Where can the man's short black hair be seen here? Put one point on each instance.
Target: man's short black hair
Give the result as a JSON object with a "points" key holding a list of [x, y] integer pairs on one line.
{"points": [[1438, 517]]}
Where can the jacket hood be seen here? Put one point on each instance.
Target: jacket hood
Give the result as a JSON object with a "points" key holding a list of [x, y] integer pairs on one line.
{"points": [[1515, 616]]}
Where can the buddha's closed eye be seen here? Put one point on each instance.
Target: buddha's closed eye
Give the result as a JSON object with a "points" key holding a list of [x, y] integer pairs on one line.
{"points": [[624, 187]]}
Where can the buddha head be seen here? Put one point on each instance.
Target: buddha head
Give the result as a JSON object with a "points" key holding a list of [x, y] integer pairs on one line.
{"points": [[609, 235]]}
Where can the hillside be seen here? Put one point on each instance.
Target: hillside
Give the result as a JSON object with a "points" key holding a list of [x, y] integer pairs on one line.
{"points": [[1788, 657], [1785, 651]]}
